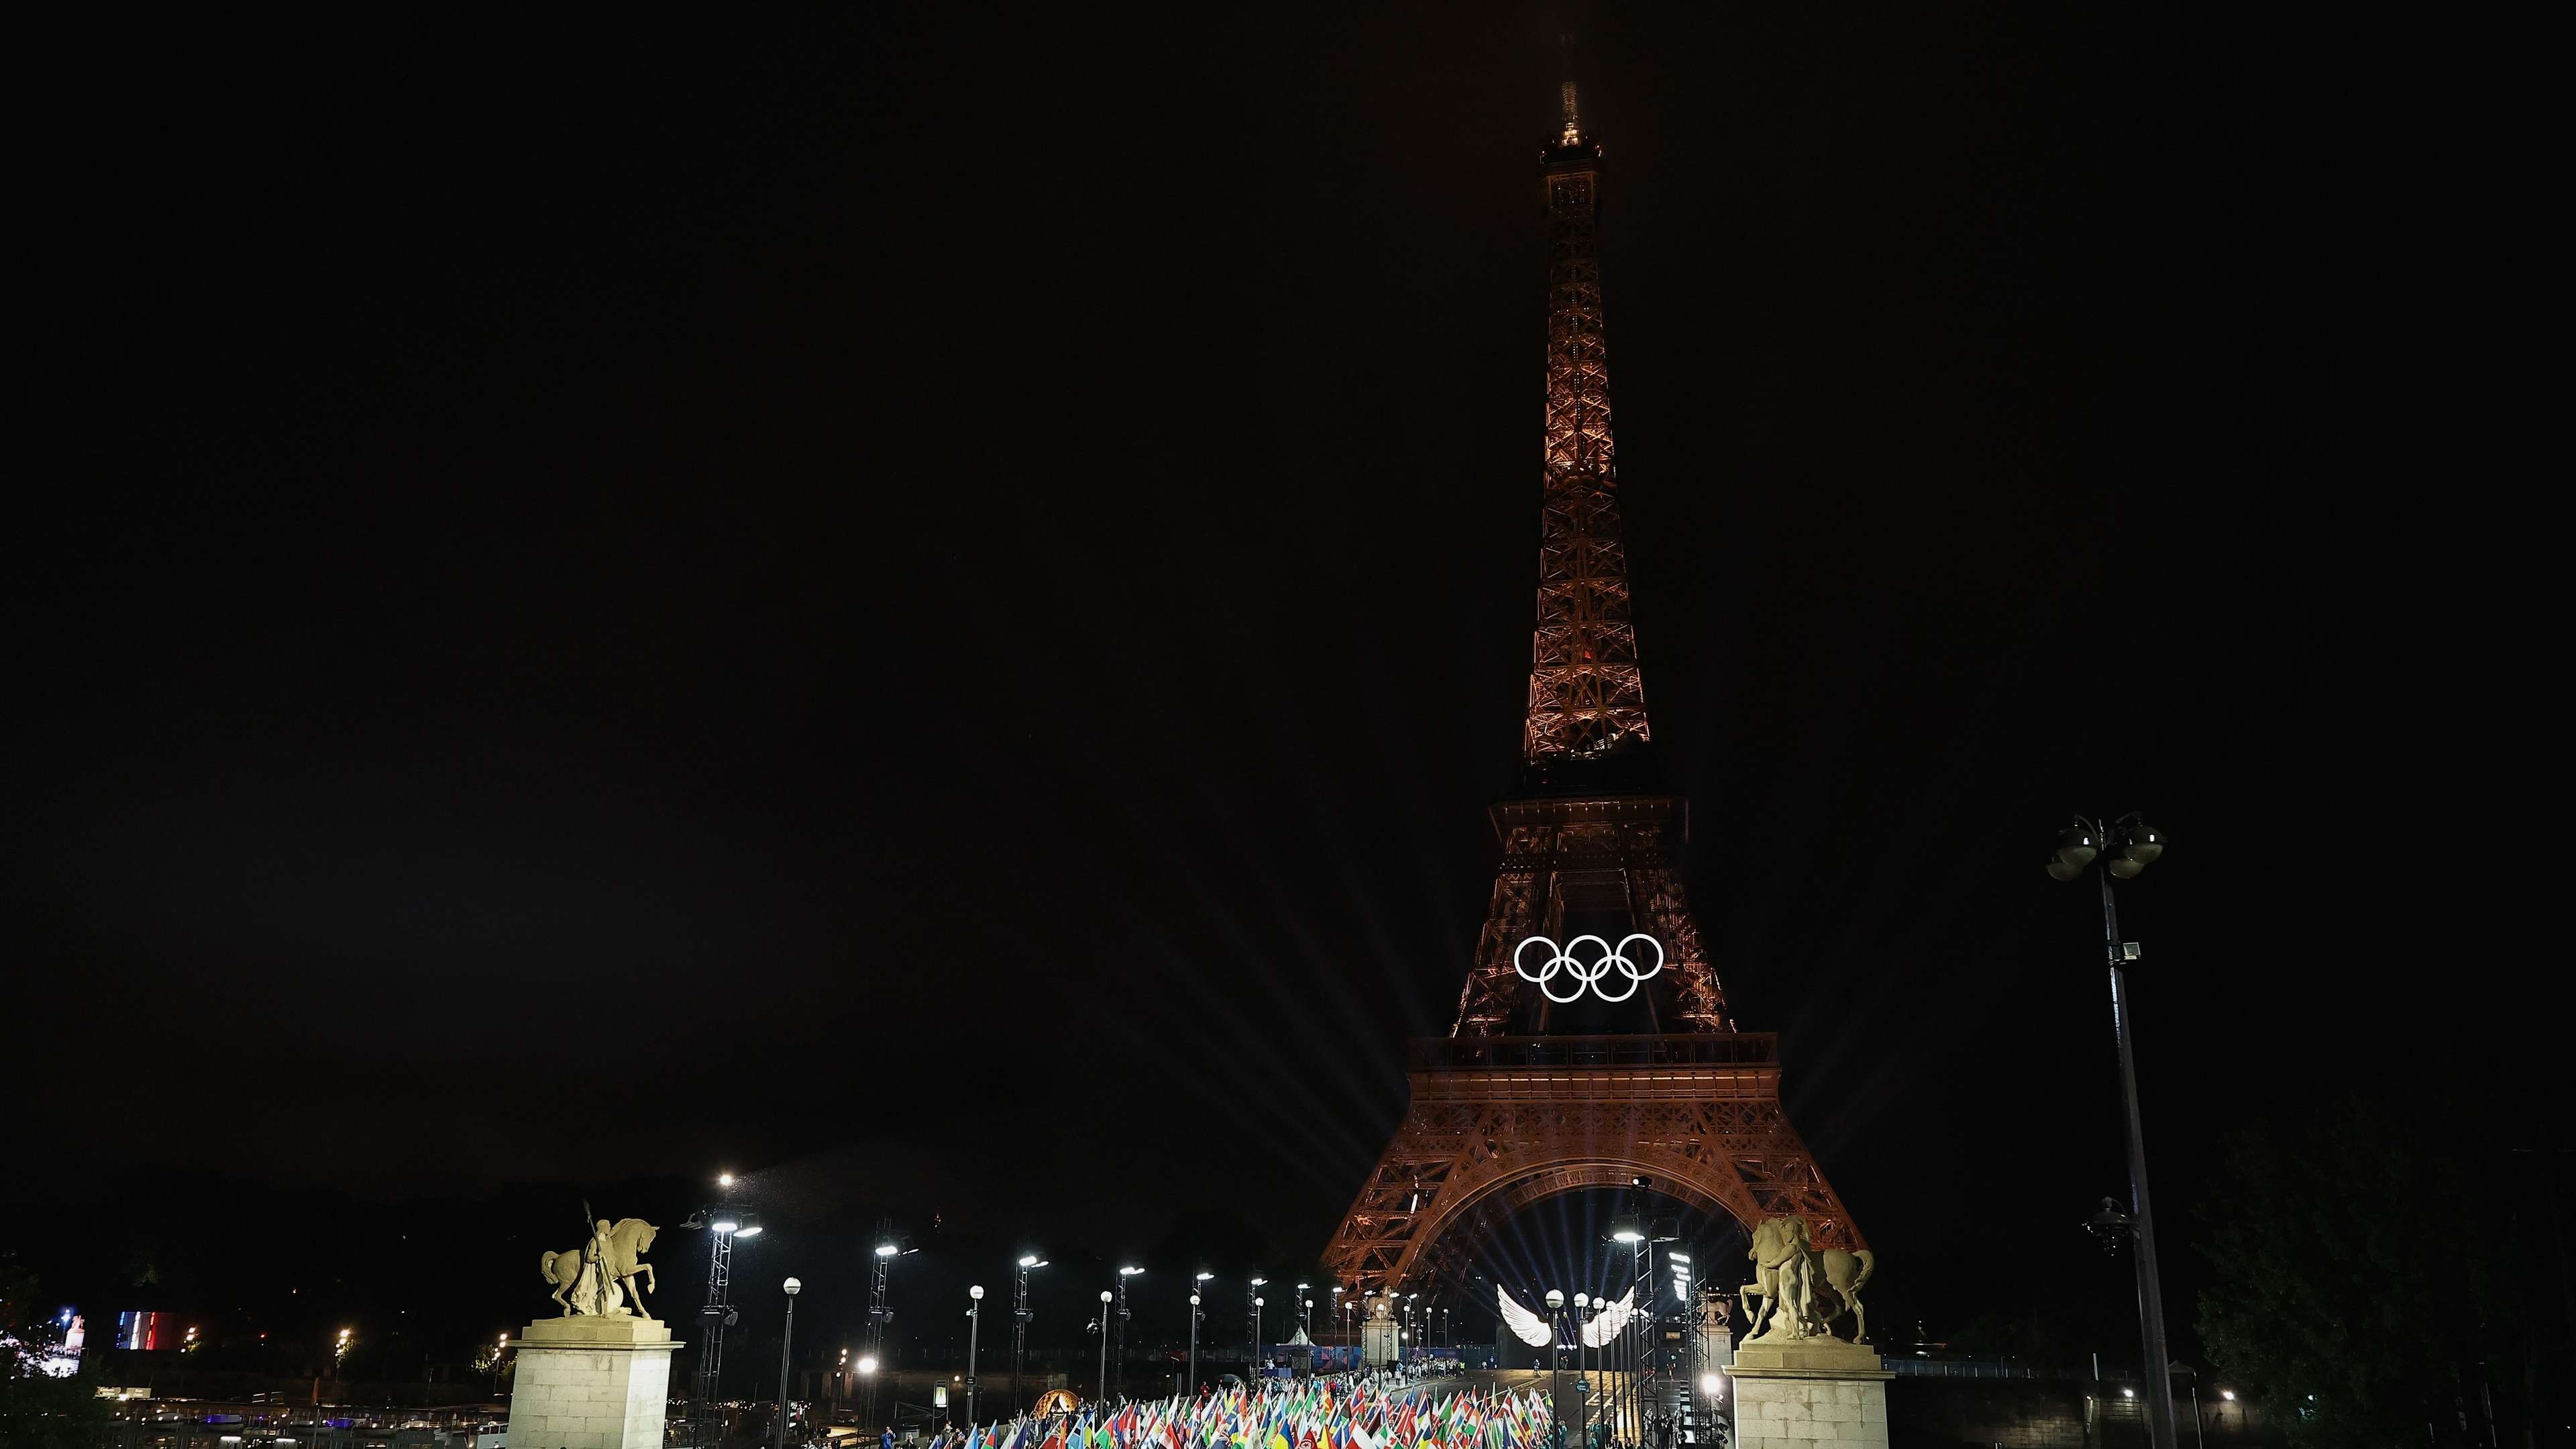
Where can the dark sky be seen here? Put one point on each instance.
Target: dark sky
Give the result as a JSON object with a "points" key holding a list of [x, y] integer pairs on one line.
{"points": [[945, 589]]}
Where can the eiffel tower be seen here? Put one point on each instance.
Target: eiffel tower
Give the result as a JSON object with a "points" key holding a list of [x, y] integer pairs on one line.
{"points": [[1539, 1090]]}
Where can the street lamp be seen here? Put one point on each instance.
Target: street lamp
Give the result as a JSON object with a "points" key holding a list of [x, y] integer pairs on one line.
{"points": [[1020, 1318], [1196, 1318], [1252, 1291], [339, 1351], [725, 1227], [1124, 1274], [786, 1346], [1105, 1296], [974, 1327], [1556, 1364], [2133, 845], [890, 1245]]}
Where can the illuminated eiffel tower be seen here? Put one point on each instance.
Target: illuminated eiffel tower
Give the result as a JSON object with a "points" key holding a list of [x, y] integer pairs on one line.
{"points": [[1550, 1084]]}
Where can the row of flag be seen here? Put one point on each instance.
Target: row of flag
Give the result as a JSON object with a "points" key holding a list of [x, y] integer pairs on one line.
{"points": [[1342, 1412]]}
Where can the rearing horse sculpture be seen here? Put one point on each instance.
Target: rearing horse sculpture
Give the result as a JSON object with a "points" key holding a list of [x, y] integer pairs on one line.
{"points": [[1793, 1303]]}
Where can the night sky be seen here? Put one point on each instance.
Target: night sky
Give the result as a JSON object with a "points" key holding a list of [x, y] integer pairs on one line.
{"points": [[925, 605]]}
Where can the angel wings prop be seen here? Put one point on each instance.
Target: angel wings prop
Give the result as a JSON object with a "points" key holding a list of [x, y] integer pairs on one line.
{"points": [[1531, 1329]]}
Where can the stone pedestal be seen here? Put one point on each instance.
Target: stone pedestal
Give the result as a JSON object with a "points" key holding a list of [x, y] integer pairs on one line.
{"points": [[1377, 1342], [1812, 1393], [591, 1383]]}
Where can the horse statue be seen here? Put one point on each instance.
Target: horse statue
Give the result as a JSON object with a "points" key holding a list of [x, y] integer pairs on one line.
{"points": [[593, 1274], [1800, 1290]]}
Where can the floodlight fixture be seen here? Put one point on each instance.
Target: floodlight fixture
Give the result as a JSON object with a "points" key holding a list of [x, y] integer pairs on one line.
{"points": [[1129, 1272], [1032, 1260]]}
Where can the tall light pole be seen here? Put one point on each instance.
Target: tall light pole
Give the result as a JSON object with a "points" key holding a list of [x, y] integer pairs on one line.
{"points": [[1020, 1324], [786, 1348], [1124, 1274], [1252, 1291], [974, 1327], [1105, 1296], [725, 1228], [1632, 1232], [1556, 1365], [890, 1246], [1196, 1317], [2133, 846], [1306, 1317], [1583, 1390]]}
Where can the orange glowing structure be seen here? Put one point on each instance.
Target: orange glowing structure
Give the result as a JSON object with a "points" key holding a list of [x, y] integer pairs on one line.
{"points": [[1539, 1090]]}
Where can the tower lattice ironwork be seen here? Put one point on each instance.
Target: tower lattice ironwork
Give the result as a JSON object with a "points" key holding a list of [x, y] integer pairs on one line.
{"points": [[1531, 1097]]}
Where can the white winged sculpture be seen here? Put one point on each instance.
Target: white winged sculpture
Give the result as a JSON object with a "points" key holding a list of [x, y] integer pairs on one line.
{"points": [[1526, 1326]]}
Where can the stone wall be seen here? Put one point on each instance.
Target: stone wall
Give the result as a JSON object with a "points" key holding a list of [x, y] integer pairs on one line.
{"points": [[584, 1390], [1804, 1413]]}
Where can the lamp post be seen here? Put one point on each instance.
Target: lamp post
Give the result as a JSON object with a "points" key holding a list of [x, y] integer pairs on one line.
{"points": [[1020, 1322], [1252, 1306], [725, 1229], [1630, 1230], [1582, 1320], [974, 1327], [889, 1247], [2134, 845], [1124, 1274], [1306, 1316], [1105, 1296], [1556, 1365], [786, 1347], [1195, 1318]]}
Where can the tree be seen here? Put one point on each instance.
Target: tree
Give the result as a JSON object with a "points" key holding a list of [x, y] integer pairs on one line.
{"points": [[2356, 1259], [37, 1410]]}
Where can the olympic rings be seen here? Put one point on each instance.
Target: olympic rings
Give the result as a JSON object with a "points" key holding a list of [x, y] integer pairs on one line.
{"points": [[1561, 959]]}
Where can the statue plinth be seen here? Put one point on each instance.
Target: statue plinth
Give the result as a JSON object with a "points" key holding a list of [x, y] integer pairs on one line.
{"points": [[1791, 1393], [591, 1382]]}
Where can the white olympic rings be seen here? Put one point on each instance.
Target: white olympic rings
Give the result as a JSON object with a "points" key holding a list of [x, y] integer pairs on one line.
{"points": [[1561, 960]]}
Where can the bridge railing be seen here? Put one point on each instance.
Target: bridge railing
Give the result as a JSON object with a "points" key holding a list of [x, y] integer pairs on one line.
{"points": [[1473, 1053]]}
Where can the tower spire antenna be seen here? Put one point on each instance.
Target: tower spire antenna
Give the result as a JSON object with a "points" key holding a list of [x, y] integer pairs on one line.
{"points": [[1573, 132]]}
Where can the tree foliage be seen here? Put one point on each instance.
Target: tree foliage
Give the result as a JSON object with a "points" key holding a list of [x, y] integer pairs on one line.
{"points": [[2357, 1273], [37, 1410]]}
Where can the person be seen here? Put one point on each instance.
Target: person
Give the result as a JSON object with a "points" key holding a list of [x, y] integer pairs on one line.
{"points": [[886, 1441], [595, 1288]]}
